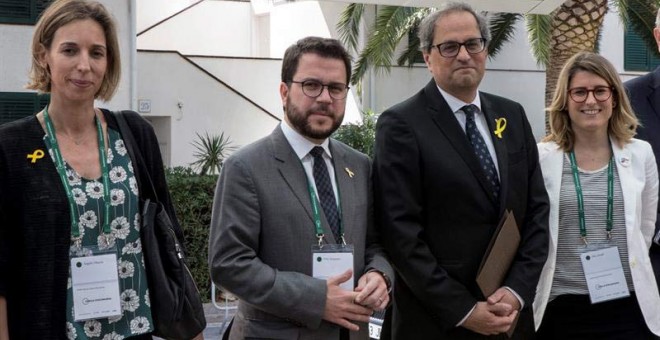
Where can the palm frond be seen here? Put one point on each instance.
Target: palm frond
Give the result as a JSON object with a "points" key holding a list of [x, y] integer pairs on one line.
{"points": [[349, 25], [502, 28], [210, 152], [539, 27], [392, 24], [640, 14], [411, 53]]}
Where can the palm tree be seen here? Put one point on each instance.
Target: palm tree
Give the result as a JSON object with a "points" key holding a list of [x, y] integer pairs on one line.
{"points": [[573, 27]]}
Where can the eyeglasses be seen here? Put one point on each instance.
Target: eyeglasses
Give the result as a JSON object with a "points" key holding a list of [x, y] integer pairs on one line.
{"points": [[451, 49], [580, 94], [313, 88]]}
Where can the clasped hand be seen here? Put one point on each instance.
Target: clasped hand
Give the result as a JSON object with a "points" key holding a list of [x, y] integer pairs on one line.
{"points": [[495, 315], [345, 308]]}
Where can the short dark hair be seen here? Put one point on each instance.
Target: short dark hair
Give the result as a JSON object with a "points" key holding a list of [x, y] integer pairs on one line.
{"points": [[323, 47]]}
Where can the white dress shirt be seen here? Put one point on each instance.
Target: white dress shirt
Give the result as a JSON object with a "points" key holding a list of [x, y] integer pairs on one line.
{"points": [[302, 146], [456, 104]]}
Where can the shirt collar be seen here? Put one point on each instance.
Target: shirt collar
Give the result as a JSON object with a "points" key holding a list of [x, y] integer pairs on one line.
{"points": [[456, 104], [301, 145]]}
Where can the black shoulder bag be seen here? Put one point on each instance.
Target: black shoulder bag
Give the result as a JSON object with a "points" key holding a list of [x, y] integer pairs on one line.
{"points": [[176, 306]]}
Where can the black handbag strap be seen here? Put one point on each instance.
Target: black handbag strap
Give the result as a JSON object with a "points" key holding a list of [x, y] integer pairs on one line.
{"points": [[138, 162]]}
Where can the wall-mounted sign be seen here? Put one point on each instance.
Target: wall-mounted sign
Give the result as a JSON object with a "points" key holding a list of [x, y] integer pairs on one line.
{"points": [[144, 105]]}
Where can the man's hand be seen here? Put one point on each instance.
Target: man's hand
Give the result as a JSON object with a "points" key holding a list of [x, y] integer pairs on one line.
{"points": [[373, 291], [504, 295], [339, 306], [491, 319]]}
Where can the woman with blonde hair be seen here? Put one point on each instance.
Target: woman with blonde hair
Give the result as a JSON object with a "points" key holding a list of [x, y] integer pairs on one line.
{"points": [[71, 260], [603, 188]]}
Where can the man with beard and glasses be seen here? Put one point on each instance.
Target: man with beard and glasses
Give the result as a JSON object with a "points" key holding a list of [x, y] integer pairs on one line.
{"points": [[292, 232]]}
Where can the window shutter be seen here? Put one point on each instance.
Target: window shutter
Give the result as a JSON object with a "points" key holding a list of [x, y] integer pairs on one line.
{"points": [[42, 101], [636, 55], [22, 11], [16, 105]]}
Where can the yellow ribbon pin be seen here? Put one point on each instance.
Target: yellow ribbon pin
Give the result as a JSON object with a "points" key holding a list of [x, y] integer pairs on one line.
{"points": [[500, 125], [349, 172], [37, 154]]}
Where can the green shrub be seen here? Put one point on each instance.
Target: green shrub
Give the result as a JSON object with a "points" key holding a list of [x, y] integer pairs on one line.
{"points": [[192, 197], [359, 136]]}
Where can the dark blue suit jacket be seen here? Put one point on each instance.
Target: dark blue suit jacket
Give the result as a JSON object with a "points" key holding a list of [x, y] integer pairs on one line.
{"points": [[644, 94]]}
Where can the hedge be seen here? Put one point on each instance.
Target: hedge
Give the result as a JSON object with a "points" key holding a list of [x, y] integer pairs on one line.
{"points": [[192, 196]]}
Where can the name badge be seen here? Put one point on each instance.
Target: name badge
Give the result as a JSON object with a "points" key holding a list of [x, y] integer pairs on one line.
{"points": [[332, 260], [604, 274], [95, 284]]}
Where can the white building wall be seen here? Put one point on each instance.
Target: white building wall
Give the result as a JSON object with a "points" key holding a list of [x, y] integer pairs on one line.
{"points": [[216, 28], [15, 59], [206, 105], [257, 79], [150, 12]]}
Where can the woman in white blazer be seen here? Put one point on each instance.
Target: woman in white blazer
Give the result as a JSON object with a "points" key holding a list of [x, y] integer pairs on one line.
{"points": [[598, 282]]}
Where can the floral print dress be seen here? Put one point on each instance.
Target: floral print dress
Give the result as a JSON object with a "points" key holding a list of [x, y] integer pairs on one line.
{"points": [[125, 236]]}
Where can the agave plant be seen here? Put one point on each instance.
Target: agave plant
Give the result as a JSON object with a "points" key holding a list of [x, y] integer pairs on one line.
{"points": [[211, 151]]}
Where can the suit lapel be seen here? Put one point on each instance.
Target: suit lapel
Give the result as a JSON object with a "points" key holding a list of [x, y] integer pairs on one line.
{"points": [[345, 187], [293, 173], [654, 93], [491, 113], [446, 121], [623, 161], [291, 169]]}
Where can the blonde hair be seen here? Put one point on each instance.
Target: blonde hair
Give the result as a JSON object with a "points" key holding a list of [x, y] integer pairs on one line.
{"points": [[622, 124], [61, 13]]}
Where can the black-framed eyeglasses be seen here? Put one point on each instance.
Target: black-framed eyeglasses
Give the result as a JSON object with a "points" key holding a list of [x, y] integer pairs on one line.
{"points": [[313, 88], [450, 49], [580, 94]]}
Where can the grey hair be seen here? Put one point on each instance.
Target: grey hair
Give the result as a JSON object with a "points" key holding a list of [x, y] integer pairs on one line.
{"points": [[657, 19], [427, 26]]}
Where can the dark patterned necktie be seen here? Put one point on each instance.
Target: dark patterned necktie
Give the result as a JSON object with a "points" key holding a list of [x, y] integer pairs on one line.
{"points": [[325, 192], [480, 148]]}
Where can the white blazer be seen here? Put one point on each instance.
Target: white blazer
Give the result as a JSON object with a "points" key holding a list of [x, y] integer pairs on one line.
{"points": [[638, 174]]}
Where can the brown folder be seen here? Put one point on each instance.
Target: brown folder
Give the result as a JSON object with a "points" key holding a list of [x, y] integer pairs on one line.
{"points": [[499, 256]]}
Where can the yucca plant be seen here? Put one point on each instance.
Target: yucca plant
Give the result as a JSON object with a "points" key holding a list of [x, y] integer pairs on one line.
{"points": [[211, 151]]}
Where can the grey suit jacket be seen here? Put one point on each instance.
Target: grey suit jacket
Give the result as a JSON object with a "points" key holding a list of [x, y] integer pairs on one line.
{"points": [[262, 231]]}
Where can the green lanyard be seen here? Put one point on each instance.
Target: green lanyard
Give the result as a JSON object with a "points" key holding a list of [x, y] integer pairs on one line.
{"points": [[61, 170], [317, 212], [580, 199]]}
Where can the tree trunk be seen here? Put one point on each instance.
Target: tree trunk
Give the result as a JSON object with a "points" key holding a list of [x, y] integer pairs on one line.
{"points": [[576, 27]]}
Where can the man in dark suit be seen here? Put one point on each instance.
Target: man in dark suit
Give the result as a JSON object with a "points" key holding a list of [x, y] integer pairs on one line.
{"points": [[441, 192], [644, 94], [297, 188]]}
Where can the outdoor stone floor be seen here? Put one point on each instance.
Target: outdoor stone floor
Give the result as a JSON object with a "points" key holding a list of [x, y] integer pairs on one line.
{"points": [[217, 320]]}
